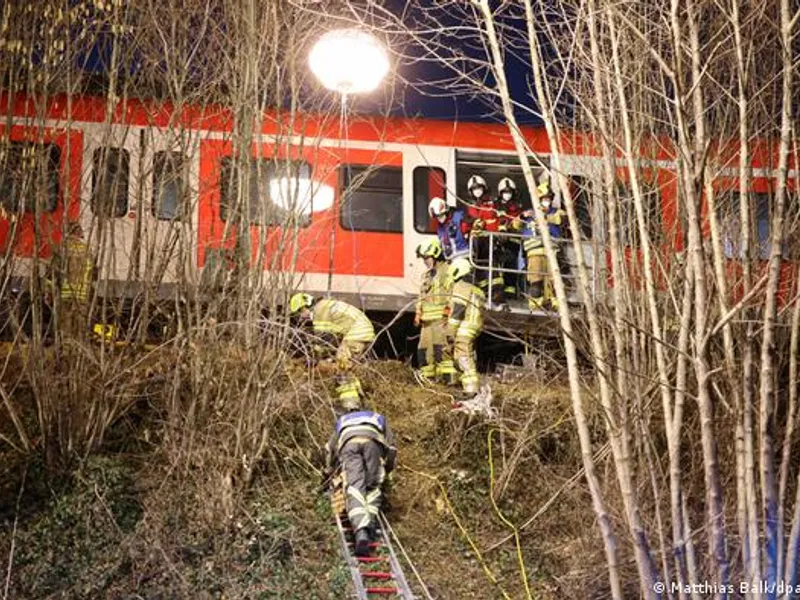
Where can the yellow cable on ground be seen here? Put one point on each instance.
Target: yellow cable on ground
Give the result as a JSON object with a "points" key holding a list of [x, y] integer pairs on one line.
{"points": [[464, 532], [510, 525]]}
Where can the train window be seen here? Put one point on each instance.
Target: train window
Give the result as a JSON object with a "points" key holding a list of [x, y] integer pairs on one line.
{"points": [[29, 173], [279, 192], [429, 182], [110, 173], [169, 193], [626, 215], [731, 224], [582, 199], [372, 199]]}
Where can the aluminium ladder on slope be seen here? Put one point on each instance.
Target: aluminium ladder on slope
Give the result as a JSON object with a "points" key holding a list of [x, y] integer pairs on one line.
{"points": [[378, 575]]}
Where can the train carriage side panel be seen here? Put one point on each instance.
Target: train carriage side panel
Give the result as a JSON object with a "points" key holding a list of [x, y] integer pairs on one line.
{"points": [[17, 222], [356, 253]]}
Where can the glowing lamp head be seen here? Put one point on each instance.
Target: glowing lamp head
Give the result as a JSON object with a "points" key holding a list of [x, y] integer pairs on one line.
{"points": [[349, 61]]}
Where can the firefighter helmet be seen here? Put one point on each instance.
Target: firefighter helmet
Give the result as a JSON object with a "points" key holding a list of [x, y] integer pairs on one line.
{"points": [[437, 207], [431, 249], [476, 181], [300, 301], [460, 268], [543, 190], [506, 185]]}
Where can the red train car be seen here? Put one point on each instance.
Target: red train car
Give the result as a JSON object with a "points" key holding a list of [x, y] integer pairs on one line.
{"points": [[154, 188]]}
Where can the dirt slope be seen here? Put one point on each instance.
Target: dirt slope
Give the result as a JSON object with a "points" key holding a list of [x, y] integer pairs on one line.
{"points": [[131, 523]]}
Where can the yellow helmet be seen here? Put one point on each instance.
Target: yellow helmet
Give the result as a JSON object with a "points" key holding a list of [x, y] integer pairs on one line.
{"points": [[431, 249], [543, 189], [300, 301], [460, 268]]}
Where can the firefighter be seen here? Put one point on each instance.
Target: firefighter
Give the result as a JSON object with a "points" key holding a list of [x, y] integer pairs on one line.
{"points": [[434, 356], [452, 227], [508, 211], [74, 275], [362, 447], [483, 212], [465, 322], [539, 280], [341, 323]]}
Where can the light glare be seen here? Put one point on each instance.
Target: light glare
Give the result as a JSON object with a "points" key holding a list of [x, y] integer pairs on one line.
{"points": [[300, 196], [349, 61]]}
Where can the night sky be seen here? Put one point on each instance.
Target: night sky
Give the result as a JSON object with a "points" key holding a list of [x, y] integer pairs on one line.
{"points": [[422, 86], [419, 85]]}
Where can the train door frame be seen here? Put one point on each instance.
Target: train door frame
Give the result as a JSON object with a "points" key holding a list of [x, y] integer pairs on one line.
{"points": [[181, 264], [117, 273], [590, 170], [441, 157]]}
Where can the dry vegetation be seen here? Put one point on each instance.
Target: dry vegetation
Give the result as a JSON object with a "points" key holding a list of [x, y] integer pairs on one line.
{"points": [[666, 451], [165, 508]]}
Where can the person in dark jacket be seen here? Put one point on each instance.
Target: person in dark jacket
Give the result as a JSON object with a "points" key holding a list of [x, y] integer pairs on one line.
{"points": [[362, 446], [452, 227]]}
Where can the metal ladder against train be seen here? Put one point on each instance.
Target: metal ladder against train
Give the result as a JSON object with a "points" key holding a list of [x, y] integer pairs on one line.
{"points": [[378, 575]]}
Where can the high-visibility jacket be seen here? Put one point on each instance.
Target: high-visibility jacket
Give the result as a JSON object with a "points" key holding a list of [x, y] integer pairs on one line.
{"points": [[555, 218], [361, 424], [454, 234], [434, 293], [77, 269], [342, 320], [466, 316]]}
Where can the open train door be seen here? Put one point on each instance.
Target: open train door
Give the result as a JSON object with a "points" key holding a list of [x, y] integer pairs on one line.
{"points": [[428, 171]]}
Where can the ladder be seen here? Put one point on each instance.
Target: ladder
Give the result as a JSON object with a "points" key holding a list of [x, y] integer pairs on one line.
{"points": [[378, 575]]}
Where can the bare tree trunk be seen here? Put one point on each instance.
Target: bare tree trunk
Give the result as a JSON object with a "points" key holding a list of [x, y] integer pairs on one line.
{"points": [[618, 429], [767, 371], [564, 316], [714, 502], [794, 346]]}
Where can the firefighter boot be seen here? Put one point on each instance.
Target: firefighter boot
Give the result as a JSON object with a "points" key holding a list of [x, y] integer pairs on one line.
{"points": [[362, 541], [374, 530]]}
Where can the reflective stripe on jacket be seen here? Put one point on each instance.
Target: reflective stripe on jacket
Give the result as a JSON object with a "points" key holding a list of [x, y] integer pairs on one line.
{"points": [[361, 424], [342, 319], [466, 316], [434, 293], [532, 242]]}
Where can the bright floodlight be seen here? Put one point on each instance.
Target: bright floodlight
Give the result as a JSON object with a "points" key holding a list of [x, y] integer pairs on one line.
{"points": [[349, 61]]}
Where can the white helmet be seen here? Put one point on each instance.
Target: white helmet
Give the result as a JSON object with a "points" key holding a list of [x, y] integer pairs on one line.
{"points": [[437, 207], [476, 181], [506, 185]]}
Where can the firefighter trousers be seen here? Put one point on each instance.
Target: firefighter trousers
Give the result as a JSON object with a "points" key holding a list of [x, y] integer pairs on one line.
{"points": [[464, 354], [434, 354], [363, 465], [538, 277], [348, 386]]}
